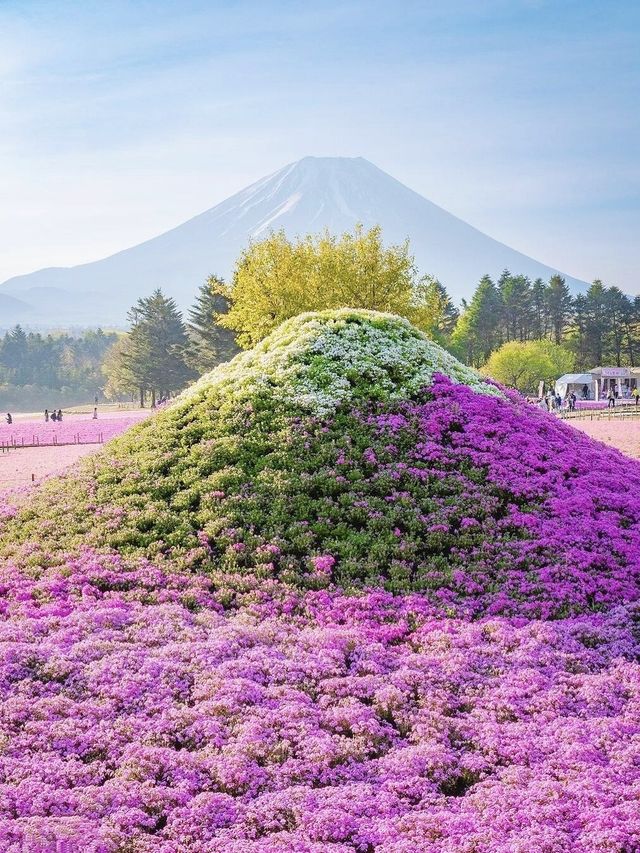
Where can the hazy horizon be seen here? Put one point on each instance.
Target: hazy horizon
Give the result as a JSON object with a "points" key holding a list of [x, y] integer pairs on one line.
{"points": [[121, 122]]}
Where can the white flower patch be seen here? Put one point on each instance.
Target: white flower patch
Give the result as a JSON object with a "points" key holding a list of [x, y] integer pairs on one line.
{"points": [[320, 360]]}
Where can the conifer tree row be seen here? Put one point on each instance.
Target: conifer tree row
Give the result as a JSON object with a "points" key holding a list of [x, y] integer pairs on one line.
{"points": [[600, 326]]}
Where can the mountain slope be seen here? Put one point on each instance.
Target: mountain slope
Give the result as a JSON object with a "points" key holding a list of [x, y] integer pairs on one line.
{"points": [[310, 195], [13, 310]]}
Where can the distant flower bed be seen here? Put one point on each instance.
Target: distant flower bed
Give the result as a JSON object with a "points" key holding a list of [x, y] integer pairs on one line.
{"points": [[591, 404], [71, 430]]}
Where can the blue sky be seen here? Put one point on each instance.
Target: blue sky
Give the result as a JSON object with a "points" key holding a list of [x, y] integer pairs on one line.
{"points": [[122, 119]]}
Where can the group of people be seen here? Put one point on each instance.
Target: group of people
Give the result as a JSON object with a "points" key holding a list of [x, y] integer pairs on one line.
{"points": [[552, 402], [613, 395], [53, 416]]}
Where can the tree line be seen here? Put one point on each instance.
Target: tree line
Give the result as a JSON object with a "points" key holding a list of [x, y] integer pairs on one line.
{"points": [[158, 356], [45, 370], [535, 326], [162, 353], [600, 326]]}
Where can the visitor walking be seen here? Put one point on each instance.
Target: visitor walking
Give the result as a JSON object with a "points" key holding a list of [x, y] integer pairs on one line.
{"points": [[95, 414], [59, 415], [585, 392], [611, 397], [46, 416], [636, 395], [9, 419]]}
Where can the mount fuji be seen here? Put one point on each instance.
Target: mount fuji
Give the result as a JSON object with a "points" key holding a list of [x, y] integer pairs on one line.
{"points": [[311, 195]]}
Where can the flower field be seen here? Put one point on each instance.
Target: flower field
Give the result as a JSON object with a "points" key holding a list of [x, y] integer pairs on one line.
{"points": [[73, 429], [25, 466], [341, 596]]}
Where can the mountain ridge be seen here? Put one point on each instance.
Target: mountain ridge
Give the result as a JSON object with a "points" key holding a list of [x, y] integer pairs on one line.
{"points": [[309, 195]]}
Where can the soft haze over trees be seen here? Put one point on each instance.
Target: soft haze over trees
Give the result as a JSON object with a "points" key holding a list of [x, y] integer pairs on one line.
{"points": [[44, 370], [155, 353]]}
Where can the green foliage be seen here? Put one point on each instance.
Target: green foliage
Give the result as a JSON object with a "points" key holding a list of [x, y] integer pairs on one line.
{"points": [[210, 343], [599, 327], [34, 367], [434, 311], [278, 278], [120, 379], [478, 330], [253, 445], [522, 365], [559, 307], [154, 355]]}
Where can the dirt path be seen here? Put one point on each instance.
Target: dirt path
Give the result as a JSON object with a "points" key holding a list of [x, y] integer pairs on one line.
{"points": [[624, 434]]}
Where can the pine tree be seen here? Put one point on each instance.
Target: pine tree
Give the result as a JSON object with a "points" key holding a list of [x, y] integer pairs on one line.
{"points": [[539, 314], [211, 344], [578, 332], [559, 305], [515, 292], [595, 323], [477, 332], [15, 355], [619, 308], [157, 346]]}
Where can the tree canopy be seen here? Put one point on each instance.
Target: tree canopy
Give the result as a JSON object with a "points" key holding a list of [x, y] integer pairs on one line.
{"points": [[523, 364], [278, 278], [154, 352], [211, 343]]}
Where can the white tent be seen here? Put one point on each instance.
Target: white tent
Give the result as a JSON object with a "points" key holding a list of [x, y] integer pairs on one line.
{"points": [[574, 382]]}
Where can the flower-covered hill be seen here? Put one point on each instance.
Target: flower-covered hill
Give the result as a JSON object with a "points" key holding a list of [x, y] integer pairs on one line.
{"points": [[349, 449], [342, 597]]}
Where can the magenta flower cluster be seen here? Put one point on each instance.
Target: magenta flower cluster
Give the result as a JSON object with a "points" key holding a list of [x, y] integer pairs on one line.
{"points": [[487, 505], [138, 715], [563, 510]]}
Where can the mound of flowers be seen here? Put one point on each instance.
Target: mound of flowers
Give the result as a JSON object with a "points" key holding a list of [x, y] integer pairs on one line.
{"points": [[343, 596], [394, 467]]}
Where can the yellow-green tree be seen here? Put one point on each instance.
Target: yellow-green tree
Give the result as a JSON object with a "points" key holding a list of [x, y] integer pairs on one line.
{"points": [[278, 278], [522, 365]]}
